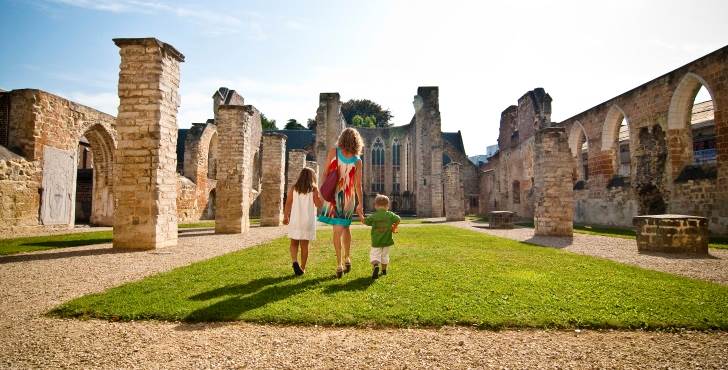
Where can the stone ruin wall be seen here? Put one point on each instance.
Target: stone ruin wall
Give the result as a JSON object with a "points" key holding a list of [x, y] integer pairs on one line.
{"points": [[273, 179], [554, 194], [39, 122], [428, 148], [660, 149], [454, 203], [19, 198], [470, 177]]}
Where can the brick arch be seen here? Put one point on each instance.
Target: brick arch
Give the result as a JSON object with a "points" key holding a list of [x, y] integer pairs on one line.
{"points": [[102, 140], [679, 134], [199, 147], [575, 135], [610, 128]]}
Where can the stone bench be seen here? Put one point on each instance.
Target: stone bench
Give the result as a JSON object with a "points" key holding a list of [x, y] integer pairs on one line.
{"points": [[501, 219], [672, 234]]}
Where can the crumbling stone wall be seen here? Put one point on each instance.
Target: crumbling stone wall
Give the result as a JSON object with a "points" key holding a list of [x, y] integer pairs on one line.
{"points": [[235, 125], [273, 179], [39, 123], [454, 203], [554, 211], [658, 115], [145, 161], [19, 196]]}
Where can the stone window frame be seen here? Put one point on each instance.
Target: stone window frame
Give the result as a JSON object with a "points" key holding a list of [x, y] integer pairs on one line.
{"points": [[516, 187], [377, 161], [679, 117], [396, 165], [613, 138], [578, 138]]}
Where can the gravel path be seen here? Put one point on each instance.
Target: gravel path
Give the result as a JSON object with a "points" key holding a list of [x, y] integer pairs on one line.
{"points": [[31, 284], [713, 268]]}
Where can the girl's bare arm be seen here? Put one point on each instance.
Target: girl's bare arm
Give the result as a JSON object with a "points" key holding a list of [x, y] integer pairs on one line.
{"points": [[317, 200], [287, 208], [329, 158]]}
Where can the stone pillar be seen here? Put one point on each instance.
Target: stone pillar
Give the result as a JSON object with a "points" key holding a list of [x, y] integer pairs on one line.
{"points": [[145, 181], [554, 209], [296, 162], [273, 179], [428, 152], [234, 168], [314, 166], [329, 124], [455, 204]]}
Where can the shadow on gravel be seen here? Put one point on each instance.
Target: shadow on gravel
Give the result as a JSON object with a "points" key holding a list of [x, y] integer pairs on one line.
{"points": [[68, 254], [680, 256], [550, 241]]}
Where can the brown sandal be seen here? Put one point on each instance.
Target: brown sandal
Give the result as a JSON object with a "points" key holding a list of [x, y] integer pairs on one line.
{"points": [[339, 272], [347, 267]]}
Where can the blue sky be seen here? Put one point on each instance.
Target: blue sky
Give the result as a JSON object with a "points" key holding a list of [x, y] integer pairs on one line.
{"points": [[281, 54]]}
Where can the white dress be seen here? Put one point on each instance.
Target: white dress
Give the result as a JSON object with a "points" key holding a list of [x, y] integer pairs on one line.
{"points": [[302, 224]]}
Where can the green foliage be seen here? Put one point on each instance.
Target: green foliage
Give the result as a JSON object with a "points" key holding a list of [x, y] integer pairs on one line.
{"points": [[268, 124], [292, 124], [359, 121], [311, 123], [366, 108], [438, 275]]}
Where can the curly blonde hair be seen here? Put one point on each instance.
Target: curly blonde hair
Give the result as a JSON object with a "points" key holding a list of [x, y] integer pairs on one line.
{"points": [[351, 141]]}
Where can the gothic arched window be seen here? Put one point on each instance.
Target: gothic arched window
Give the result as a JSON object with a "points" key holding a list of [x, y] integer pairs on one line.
{"points": [[378, 166]]}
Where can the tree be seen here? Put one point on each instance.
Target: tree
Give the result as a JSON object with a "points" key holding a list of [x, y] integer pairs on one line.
{"points": [[268, 124], [311, 123], [366, 108], [359, 121], [292, 124]]}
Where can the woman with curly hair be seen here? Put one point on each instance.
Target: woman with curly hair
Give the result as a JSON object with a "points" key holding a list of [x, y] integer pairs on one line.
{"points": [[348, 197]]}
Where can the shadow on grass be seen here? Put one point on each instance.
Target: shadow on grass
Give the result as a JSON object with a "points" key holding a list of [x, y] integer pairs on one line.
{"points": [[355, 285], [67, 243], [557, 242], [60, 255], [231, 308], [241, 289]]}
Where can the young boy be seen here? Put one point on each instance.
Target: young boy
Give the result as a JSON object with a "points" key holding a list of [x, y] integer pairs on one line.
{"points": [[383, 223]]}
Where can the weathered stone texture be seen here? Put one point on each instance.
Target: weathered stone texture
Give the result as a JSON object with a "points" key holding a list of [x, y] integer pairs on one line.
{"points": [[428, 188], [329, 125], [19, 198], [660, 142], [672, 234], [234, 168], [273, 179], [554, 211], [145, 181], [501, 219], [454, 203], [296, 163]]}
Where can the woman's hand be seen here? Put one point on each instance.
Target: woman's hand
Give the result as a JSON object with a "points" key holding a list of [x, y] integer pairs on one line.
{"points": [[360, 209]]}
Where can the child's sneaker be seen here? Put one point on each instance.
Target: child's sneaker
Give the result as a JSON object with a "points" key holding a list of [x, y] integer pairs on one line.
{"points": [[375, 272], [297, 269]]}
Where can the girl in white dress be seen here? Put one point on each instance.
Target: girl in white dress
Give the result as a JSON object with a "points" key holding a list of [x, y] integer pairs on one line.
{"points": [[300, 216]]}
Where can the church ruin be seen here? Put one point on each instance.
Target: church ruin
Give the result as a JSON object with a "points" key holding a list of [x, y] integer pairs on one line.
{"points": [[647, 151]]}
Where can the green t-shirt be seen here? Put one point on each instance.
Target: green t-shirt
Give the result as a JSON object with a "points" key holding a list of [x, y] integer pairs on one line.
{"points": [[381, 222]]}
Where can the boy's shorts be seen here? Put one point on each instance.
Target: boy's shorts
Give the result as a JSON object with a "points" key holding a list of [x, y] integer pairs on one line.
{"points": [[379, 255]]}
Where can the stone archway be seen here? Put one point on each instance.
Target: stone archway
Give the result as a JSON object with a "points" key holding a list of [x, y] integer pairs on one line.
{"points": [[617, 142], [94, 182], [679, 135]]}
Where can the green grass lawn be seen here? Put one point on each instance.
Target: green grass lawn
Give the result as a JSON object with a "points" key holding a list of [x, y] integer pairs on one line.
{"points": [[715, 241], [439, 275], [45, 242]]}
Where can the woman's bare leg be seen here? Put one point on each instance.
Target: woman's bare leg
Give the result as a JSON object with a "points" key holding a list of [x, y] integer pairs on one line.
{"points": [[337, 244], [304, 253], [346, 240]]}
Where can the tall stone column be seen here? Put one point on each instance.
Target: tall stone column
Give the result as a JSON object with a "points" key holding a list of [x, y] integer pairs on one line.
{"points": [[296, 162], [145, 181], [273, 179], [455, 204], [554, 209], [428, 152], [329, 124], [234, 167]]}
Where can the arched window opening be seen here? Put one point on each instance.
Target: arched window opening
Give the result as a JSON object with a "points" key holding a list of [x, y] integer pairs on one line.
{"points": [[378, 166], [212, 158], [702, 126], [623, 156], [583, 157], [516, 192], [396, 166]]}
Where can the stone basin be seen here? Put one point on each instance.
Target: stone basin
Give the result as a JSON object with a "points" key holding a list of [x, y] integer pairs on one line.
{"points": [[671, 233]]}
